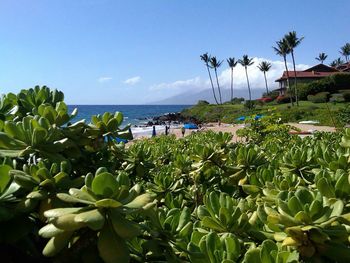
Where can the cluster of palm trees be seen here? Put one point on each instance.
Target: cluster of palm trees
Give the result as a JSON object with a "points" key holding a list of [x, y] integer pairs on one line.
{"points": [[213, 63], [344, 51], [284, 47]]}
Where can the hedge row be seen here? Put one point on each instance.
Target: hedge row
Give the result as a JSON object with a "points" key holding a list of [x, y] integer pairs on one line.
{"points": [[329, 84]]}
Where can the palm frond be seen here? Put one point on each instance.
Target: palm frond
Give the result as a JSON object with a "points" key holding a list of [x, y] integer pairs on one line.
{"points": [[293, 40], [205, 57], [246, 61], [264, 66], [232, 62], [215, 63], [282, 48]]}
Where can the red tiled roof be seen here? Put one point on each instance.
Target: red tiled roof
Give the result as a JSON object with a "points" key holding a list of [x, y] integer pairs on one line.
{"points": [[344, 67], [305, 74], [322, 68]]}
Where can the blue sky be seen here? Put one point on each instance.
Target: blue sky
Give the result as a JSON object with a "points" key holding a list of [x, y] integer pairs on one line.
{"points": [[134, 52]]}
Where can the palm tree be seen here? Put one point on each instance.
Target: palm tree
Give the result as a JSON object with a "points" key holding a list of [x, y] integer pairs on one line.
{"points": [[206, 60], [282, 49], [345, 51], [335, 63], [264, 67], [232, 63], [215, 64], [321, 57], [246, 62], [293, 41]]}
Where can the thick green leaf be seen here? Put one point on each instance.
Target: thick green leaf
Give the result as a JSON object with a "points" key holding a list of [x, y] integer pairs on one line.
{"points": [[111, 247], [325, 188], [71, 199], [119, 117], [252, 256], [184, 218], [81, 194], [67, 222], [50, 231], [56, 244], [93, 219], [123, 227], [111, 203], [104, 184], [5, 177], [140, 201], [212, 224]]}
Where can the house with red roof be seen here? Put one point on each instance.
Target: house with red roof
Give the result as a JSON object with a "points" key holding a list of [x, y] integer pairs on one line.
{"points": [[344, 67], [317, 72]]}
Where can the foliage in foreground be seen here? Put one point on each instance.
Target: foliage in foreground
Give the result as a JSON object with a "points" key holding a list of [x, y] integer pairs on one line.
{"points": [[71, 193]]}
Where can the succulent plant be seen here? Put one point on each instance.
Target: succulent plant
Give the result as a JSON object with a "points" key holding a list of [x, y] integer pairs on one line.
{"points": [[202, 198], [105, 202]]}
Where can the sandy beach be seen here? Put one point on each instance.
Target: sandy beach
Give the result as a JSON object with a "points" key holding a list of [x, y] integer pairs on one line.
{"points": [[232, 128]]}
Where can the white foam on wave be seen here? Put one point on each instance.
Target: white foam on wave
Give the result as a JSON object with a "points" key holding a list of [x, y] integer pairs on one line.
{"points": [[147, 131]]}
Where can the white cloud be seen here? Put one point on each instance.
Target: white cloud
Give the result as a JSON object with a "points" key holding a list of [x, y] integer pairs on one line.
{"points": [[132, 81], [256, 78], [196, 82], [104, 79]]}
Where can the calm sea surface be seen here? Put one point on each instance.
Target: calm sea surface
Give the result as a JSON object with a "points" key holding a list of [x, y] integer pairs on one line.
{"points": [[133, 114]]}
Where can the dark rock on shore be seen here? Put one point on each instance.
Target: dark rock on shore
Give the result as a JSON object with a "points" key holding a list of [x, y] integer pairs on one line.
{"points": [[169, 118], [173, 118]]}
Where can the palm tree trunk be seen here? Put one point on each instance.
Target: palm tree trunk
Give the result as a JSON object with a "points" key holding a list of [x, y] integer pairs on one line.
{"points": [[295, 80], [212, 85], [288, 84], [250, 94], [217, 82], [231, 84], [267, 89]]}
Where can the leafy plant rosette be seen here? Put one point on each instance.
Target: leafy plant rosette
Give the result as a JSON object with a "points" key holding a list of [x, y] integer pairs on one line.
{"points": [[104, 206]]}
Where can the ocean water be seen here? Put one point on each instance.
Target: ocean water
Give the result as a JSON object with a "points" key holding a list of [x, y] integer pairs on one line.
{"points": [[135, 115]]}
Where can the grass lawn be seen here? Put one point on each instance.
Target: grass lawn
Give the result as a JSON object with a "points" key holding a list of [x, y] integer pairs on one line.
{"points": [[305, 111]]}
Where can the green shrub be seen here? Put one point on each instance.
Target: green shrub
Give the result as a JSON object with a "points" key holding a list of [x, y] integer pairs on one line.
{"points": [[344, 115], [319, 97], [250, 104], [345, 94], [303, 90], [236, 100], [329, 84], [337, 97], [340, 81], [314, 87], [321, 85], [202, 102], [346, 97]]}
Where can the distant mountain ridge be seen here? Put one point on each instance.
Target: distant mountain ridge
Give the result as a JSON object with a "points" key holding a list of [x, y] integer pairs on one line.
{"points": [[189, 98]]}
